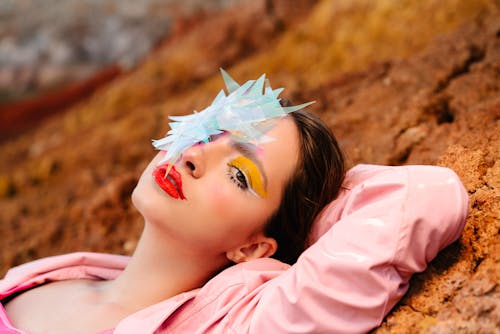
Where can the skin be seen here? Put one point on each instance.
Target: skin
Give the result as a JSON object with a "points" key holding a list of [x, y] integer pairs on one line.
{"points": [[184, 242]]}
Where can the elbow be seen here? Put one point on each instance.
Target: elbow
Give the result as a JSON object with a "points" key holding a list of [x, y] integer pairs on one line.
{"points": [[435, 213]]}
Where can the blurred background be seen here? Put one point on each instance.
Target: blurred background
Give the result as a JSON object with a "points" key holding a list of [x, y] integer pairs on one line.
{"points": [[46, 46], [85, 85]]}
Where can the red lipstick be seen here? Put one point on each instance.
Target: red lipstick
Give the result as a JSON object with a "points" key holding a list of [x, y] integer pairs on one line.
{"points": [[170, 183]]}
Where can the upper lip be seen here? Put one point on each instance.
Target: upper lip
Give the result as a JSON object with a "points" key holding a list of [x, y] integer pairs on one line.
{"points": [[170, 183]]}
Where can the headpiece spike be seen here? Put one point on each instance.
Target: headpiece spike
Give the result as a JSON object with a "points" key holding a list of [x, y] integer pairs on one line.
{"points": [[258, 86], [231, 85]]}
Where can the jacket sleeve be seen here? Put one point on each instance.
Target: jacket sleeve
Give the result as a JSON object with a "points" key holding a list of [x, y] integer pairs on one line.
{"points": [[390, 226]]}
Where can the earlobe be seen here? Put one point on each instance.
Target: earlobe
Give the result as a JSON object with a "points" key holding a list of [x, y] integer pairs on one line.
{"points": [[258, 248]]}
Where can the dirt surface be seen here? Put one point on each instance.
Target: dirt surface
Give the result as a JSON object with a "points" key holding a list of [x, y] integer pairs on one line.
{"points": [[419, 93]]}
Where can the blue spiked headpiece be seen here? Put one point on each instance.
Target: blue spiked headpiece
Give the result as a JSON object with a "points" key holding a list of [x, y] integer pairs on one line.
{"points": [[242, 113]]}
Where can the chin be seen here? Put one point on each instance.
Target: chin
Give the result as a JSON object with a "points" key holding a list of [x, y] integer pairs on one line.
{"points": [[134, 197], [151, 204], [143, 197]]}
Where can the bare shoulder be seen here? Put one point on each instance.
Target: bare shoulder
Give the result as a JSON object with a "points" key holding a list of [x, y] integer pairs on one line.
{"points": [[61, 307]]}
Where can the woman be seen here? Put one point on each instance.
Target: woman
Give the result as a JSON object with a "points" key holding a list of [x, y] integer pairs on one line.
{"points": [[230, 192], [237, 193]]}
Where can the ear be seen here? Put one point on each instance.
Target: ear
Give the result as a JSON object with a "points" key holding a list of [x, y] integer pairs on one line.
{"points": [[257, 247]]}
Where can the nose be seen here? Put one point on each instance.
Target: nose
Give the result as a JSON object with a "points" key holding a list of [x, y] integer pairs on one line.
{"points": [[193, 159]]}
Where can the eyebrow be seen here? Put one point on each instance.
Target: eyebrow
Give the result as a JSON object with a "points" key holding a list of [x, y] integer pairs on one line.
{"points": [[248, 150]]}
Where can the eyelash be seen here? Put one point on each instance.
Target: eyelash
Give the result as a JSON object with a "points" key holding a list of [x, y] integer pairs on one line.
{"points": [[212, 138], [232, 173]]}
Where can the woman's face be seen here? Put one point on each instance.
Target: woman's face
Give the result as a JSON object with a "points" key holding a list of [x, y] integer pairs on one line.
{"points": [[221, 193]]}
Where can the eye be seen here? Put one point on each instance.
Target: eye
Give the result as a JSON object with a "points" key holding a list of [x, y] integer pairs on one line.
{"points": [[216, 136], [238, 177], [247, 176], [211, 138]]}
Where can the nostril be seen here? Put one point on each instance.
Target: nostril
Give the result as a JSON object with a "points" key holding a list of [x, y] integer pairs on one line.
{"points": [[190, 165]]}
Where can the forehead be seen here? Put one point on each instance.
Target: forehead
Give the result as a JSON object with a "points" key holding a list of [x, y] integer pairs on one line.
{"points": [[280, 155]]}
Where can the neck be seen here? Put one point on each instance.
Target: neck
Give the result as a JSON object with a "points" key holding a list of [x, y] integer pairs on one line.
{"points": [[160, 268]]}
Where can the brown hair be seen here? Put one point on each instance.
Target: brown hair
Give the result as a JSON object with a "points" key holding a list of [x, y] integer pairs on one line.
{"points": [[316, 182]]}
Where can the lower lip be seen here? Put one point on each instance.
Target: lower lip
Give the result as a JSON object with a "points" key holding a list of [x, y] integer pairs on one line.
{"points": [[165, 184]]}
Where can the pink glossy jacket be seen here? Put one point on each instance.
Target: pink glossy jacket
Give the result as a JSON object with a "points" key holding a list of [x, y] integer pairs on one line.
{"points": [[387, 223]]}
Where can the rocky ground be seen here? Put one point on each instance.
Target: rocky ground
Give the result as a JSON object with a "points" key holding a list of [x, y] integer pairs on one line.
{"points": [[396, 89]]}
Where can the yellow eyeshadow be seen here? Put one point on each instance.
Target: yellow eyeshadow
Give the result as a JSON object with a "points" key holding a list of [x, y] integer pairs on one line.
{"points": [[253, 174]]}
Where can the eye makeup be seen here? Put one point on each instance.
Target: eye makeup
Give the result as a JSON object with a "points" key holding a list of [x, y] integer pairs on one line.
{"points": [[255, 180], [252, 152]]}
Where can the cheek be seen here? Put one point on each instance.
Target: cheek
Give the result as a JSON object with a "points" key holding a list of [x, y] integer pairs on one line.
{"points": [[239, 213], [231, 210], [220, 199]]}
